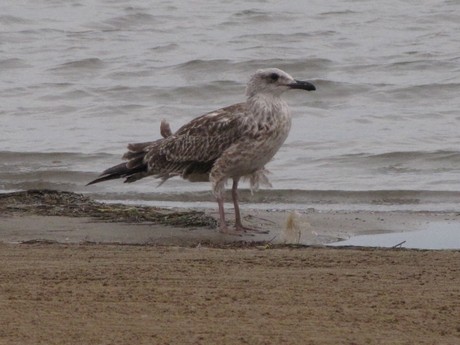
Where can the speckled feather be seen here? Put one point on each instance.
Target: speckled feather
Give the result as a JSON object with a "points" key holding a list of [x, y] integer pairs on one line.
{"points": [[191, 151]]}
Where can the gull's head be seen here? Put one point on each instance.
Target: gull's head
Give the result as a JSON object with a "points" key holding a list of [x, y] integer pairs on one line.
{"points": [[273, 81]]}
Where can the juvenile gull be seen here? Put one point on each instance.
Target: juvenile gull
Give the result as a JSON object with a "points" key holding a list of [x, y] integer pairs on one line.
{"points": [[229, 143]]}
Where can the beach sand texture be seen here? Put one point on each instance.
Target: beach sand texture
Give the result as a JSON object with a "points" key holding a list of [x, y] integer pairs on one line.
{"points": [[64, 281], [124, 294]]}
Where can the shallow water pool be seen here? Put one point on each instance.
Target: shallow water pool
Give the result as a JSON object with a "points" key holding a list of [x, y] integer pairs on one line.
{"points": [[436, 235]]}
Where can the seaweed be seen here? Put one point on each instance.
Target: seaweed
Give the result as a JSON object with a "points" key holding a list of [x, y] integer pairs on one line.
{"points": [[47, 202]]}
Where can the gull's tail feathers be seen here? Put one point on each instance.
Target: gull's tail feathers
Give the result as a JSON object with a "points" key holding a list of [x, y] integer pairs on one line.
{"points": [[122, 171], [134, 169]]}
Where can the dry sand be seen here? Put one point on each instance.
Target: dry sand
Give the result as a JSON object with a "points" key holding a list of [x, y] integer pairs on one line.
{"points": [[172, 279], [106, 294]]}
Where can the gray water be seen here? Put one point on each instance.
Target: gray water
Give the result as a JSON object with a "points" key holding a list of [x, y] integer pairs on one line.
{"points": [[437, 235], [81, 79]]}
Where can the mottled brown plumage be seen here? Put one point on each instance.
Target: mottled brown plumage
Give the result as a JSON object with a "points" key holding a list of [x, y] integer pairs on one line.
{"points": [[232, 142], [255, 180]]}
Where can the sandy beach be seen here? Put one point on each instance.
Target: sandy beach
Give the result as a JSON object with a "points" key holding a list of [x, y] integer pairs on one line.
{"points": [[124, 294], [75, 271]]}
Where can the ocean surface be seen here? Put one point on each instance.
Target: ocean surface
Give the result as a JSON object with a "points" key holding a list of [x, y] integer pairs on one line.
{"points": [[81, 79]]}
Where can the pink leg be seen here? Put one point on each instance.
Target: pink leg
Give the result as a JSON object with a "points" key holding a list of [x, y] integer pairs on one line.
{"points": [[238, 224], [222, 225], [218, 188]]}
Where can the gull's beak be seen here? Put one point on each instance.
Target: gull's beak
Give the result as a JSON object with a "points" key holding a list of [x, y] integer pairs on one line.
{"points": [[302, 85]]}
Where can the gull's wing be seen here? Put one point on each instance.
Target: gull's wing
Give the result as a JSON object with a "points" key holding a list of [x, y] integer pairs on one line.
{"points": [[205, 138], [189, 152]]}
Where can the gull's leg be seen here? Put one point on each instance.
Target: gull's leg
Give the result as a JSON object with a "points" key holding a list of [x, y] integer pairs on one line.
{"points": [[222, 225], [219, 193], [238, 224], [218, 179]]}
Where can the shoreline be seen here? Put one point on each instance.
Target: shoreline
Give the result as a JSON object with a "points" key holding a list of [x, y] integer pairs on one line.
{"points": [[65, 217]]}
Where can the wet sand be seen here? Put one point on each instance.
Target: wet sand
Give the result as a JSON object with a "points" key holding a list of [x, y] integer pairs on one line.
{"points": [[74, 272], [64, 217]]}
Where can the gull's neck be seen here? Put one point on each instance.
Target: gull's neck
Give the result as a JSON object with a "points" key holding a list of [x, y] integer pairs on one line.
{"points": [[263, 106]]}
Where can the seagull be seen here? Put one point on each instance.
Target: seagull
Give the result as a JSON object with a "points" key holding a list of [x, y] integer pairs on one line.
{"points": [[229, 143]]}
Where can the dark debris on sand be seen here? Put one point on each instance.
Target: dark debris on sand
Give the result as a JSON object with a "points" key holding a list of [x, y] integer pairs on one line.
{"points": [[59, 203]]}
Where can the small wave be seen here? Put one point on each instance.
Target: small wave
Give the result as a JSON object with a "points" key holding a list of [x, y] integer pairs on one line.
{"points": [[13, 63], [302, 197], [55, 170], [290, 37], [13, 155], [131, 20], [165, 48], [218, 65], [17, 163], [400, 156], [252, 15], [200, 94], [445, 91], [405, 156], [203, 65], [335, 13], [420, 63], [399, 163], [8, 20], [82, 64], [292, 66], [249, 13]]}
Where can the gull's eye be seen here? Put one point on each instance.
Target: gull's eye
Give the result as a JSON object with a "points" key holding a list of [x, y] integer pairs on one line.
{"points": [[274, 77]]}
